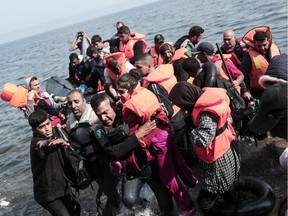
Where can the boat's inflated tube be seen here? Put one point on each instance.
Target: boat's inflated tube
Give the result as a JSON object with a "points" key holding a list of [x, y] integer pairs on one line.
{"points": [[211, 74], [207, 77], [260, 206]]}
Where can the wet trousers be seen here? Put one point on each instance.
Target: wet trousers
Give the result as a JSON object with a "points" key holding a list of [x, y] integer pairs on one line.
{"points": [[64, 206]]}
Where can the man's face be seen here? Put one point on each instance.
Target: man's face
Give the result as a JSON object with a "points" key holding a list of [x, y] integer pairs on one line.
{"points": [[35, 85], [75, 62], [124, 37], [99, 44], [229, 41], [76, 104], [145, 69], [116, 69], [196, 39], [105, 113], [45, 128], [262, 46], [95, 55]]}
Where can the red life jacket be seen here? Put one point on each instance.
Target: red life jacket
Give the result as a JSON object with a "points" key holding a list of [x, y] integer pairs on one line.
{"points": [[128, 48], [216, 101]]}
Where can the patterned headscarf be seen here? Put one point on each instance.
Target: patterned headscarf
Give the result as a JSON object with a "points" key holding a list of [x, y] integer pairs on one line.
{"points": [[185, 95]]}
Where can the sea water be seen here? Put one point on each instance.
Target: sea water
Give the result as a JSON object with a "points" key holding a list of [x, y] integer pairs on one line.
{"points": [[47, 55]]}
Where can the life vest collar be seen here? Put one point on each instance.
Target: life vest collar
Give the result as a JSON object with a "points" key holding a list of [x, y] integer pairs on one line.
{"points": [[248, 37]]}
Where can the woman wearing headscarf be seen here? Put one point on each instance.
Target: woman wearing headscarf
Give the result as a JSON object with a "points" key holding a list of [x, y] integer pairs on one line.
{"points": [[212, 136]]}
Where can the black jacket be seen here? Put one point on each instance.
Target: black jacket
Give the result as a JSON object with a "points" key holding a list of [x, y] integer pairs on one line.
{"points": [[47, 171]]}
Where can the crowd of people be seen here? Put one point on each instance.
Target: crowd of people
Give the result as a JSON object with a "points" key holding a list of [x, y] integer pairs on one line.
{"points": [[154, 113]]}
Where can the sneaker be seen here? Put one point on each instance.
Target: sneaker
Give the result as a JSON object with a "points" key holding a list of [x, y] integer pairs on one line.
{"points": [[188, 213]]}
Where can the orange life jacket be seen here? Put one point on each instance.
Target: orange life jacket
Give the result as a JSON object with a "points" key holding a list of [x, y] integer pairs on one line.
{"points": [[218, 62], [128, 48], [259, 62], [248, 37], [120, 57], [15, 95], [144, 104], [260, 65], [216, 101], [179, 54], [164, 76], [158, 60]]}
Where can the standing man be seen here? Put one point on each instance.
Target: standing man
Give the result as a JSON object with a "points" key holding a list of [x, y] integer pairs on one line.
{"points": [[190, 41], [261, 51], [233, 45], [80, 124], [51, 189], [131, 43]]}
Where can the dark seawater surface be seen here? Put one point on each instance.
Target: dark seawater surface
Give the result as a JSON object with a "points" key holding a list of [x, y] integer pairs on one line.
{"points": [[46, 55]]}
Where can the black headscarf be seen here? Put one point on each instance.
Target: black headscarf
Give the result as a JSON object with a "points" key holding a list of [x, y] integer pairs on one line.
{"points": [[185, 95]]}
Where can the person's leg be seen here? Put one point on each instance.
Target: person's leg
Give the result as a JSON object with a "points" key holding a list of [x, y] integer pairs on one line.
{"points": [[108, 199], [161, 192], [66, 206], [206, 202], [163, 152], [131, 194]]}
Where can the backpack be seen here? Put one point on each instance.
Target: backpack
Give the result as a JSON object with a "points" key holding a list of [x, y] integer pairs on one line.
{"points": [[237, 104], [178, 43], [74, 164], [208, 78]]}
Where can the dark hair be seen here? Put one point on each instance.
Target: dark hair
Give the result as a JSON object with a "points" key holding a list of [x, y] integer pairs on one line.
{"points": [[74, 91], [136, 73], [91, 50], [127, 81], [111, 62], [120, 22], [32, 79], [196, 31], [97, 99], [37, 117], [191, 65], [123, 30], [96, 38], [164, 47], [145, 57], [260, 36], [73, 56]]}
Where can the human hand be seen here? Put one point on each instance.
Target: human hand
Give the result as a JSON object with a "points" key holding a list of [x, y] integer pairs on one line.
{"points": [[247, 96], [32, 94], [58, 141], [145, 129], [235, 83]]}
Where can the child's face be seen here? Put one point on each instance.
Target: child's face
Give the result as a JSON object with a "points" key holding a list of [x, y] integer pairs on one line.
{"points": [[124, 94]]}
